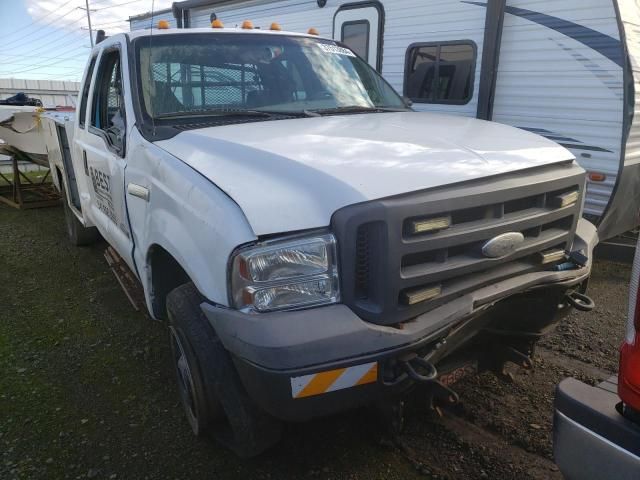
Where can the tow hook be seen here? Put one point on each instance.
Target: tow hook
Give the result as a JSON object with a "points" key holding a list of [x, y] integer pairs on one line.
{"points": [[509, 354], [407, 367], [410, 365], [425, 374], [580, 301], [438, 394], [513, 355]]}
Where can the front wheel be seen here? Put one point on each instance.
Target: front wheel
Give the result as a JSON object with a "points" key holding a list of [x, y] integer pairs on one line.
{"points": [[213, 398]]}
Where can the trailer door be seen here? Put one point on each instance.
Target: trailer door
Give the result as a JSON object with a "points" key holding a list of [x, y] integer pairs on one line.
{"points": [[360, 27]]}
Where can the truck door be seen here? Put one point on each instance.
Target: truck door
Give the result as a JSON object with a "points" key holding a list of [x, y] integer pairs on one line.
{"points": [[102, 147], [360, 27]]}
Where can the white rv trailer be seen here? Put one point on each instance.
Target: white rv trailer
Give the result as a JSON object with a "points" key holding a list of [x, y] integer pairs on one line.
{"points": [[566, 69]]}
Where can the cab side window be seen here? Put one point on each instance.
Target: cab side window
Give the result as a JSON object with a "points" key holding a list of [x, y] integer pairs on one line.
{"points": [[108, 113], [85, 93]]}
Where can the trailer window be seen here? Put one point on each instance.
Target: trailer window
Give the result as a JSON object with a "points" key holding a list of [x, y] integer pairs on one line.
{"points": [[356, 36], [85, 93], [440, 72]]}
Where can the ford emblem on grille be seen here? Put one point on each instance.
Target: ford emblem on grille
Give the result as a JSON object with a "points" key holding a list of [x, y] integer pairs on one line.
{"points": [[502, 245]]}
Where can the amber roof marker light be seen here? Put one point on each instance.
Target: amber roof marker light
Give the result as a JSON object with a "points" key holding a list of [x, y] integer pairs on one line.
{"points": [[247, 25], [313, 31], [163, 25], [217, 23]]}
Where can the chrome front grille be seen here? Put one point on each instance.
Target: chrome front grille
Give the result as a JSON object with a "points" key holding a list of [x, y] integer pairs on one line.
{"points": [[458, 250], [384, 263]]}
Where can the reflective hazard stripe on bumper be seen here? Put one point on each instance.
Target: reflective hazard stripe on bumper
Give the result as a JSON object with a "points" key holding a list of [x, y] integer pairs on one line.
{"points": [[332, 380]]}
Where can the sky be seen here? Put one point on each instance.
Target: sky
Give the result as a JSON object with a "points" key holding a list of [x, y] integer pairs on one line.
{"points": [[49, 39]]}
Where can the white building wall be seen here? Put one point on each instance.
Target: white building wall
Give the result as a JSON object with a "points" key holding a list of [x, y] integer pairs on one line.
{"points": [[52, 93]]}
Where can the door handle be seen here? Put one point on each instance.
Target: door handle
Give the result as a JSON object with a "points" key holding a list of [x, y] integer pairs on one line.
{"points": [[138, 191]]}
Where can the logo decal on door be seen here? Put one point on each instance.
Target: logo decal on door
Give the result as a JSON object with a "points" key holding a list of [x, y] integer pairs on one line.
{"points": [[102, 187]]}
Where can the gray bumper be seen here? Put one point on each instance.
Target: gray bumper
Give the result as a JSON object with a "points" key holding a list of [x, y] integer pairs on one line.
{"points": [[333, 334], [591, 439]]}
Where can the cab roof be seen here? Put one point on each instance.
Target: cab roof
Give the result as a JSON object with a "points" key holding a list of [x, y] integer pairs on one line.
{"points": [[226, 30]]}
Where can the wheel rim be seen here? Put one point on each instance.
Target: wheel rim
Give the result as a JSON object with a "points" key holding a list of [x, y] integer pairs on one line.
{"points": [[185, 379]]}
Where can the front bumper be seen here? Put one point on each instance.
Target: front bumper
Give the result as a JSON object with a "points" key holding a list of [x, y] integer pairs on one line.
{"points": [[591, 439], [271, 349]]}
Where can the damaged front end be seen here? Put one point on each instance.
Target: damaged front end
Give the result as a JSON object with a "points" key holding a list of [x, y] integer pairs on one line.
{"points": [[435, 286]]}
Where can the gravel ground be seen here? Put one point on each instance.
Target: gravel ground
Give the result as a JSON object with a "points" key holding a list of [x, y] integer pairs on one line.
{"points": [[87, 391]]}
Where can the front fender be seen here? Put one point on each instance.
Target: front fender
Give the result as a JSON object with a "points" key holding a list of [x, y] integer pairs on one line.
{"points": [[188, 216]]}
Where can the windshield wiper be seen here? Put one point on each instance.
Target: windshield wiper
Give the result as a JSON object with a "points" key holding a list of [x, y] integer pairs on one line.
{"points": [[216, 113], [358, 109], [239, 113], [293, 113]]}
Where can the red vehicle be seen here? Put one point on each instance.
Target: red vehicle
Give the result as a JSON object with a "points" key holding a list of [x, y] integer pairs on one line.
{"points": [[597, 429]]}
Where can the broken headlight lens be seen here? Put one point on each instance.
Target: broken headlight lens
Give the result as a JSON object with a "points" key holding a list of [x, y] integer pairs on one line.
{"points": [[288, 274]]}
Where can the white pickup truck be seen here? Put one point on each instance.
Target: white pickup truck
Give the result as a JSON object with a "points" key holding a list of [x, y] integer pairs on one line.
{"points": [[312, 243]]}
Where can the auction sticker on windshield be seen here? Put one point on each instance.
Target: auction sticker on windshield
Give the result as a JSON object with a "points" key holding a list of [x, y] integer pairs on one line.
{"points": [[330, 48]]}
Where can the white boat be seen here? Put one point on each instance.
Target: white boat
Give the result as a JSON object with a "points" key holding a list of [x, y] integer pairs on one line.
{"points": [[21, 133]]}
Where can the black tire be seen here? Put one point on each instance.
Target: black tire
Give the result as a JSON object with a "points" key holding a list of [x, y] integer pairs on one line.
{"points": [[79, 235], [214, 400]]}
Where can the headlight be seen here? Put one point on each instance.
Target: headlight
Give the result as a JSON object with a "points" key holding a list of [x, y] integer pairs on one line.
{"points": [[286, 275]]}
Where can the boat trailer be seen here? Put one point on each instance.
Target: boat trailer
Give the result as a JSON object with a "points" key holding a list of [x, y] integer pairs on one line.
{"points": [[23, 191]]}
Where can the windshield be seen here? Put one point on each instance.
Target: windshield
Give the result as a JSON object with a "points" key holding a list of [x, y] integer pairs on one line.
{"points": [[210, 74]]}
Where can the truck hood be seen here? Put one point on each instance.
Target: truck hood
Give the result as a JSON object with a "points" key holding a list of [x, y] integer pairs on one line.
{"points": [[289, 175]]}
